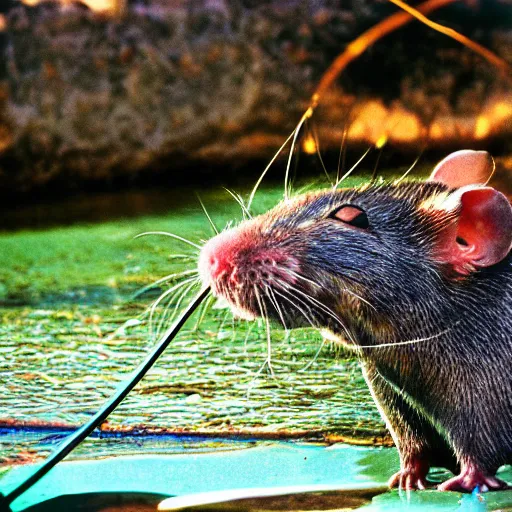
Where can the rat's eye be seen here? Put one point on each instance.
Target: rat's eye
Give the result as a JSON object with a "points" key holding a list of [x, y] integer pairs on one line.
{"points": [[351, 215]]}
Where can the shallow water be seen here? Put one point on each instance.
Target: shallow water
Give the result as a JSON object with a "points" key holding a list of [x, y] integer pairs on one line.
{"points": [[72, 329]]}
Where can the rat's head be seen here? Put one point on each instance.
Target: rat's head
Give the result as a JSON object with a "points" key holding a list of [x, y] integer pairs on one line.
{"points": [[328, 257]]}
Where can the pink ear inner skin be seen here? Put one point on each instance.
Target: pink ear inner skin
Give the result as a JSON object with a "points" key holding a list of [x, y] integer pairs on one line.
{"points": [[465, 167], [485, 225]]}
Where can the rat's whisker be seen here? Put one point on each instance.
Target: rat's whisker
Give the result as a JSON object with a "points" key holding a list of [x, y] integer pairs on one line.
{"points": [[227, 314], [272, 298], [205, 211], [413, 165], [316, 285], [204, 308], [317, 147], [168, 292], [325, 309], [165, 294], [175, 309], [260, 179], [342, 155], [168, 312], [165, 279], [293, 302], [303, 278], [313, 301], [296, 306], [290, 155], [376, 166], [315, 357], [351, 170], [408, 342], [250, 326], [172, 235], [358, 297], [264, 314], [240, 201]]}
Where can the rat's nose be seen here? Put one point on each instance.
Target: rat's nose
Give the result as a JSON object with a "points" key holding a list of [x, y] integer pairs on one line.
{"points": [[239, 258], [217, 256]]}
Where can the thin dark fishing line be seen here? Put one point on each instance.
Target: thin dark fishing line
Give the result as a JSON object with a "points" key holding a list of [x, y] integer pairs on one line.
{"points": [[73, 440]]}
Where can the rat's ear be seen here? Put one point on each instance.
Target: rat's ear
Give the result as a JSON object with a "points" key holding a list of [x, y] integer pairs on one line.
{"points": [[483, 233], [465, 167]]}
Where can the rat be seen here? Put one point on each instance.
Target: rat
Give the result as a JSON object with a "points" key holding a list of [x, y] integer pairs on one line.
{"points": [[416, 278]]}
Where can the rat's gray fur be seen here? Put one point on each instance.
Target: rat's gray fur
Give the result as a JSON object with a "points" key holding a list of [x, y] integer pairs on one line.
{"points": [[447, 400]]}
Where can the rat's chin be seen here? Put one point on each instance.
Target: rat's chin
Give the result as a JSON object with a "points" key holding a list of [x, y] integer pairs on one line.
{"points": [[243, 314], [248, 306], [239, 311], [283, 320]]}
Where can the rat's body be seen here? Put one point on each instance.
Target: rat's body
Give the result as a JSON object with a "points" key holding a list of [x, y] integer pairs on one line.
{"points": [[417, 278]]}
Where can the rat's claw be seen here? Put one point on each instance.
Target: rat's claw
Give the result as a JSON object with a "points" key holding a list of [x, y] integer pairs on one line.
{"points": [[409, 479], [413, 475], [470, 479]]}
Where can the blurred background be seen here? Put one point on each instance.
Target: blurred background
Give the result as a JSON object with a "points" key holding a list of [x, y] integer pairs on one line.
{"points": [[116, 114]]}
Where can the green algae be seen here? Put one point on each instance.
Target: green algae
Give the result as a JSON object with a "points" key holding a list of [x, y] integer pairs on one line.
{"points": [[73, 327]]}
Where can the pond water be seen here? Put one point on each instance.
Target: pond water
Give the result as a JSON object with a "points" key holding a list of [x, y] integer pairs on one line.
{"points": [[75, 320], [75, 309]]}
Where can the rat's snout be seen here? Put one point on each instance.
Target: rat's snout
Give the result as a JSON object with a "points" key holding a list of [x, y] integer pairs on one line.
{"points": [[237, 261], [217, 258]]}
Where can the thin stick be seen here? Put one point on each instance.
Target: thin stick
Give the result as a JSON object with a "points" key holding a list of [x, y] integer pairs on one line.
{"points": [[77, 437], [489, 56], [365, 40]]}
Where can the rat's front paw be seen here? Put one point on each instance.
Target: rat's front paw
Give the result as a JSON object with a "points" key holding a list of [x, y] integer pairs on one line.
{"points": [[412, 476], [471, 478]]}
